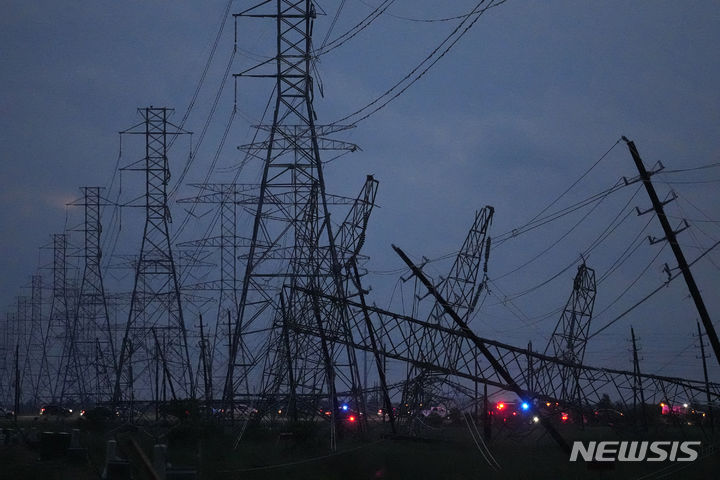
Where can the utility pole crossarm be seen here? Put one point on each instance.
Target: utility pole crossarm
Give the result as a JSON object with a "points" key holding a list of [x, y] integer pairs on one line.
{"points": [[670, 236]]}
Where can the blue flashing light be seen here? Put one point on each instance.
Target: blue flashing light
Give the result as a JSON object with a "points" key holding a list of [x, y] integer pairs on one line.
{"points": [[345, 407], [525, 406]]}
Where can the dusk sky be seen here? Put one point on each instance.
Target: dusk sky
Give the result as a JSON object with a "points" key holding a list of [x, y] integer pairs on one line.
{"points": [[522, 106]]}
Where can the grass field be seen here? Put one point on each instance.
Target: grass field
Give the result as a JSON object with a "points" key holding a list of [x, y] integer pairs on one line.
{"points": [[302, 452]]}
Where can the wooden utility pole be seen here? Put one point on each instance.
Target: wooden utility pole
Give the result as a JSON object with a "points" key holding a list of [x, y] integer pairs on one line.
{"points": [[497, 366], [637, 384], [707, 382], [670, 236]]}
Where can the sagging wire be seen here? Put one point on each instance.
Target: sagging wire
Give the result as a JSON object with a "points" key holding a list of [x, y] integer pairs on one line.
{"points": [[457, 33]]}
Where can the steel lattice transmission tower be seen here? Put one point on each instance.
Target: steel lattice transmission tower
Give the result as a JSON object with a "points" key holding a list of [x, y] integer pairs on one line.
{"points": [[15, 340], [227, 196], [92, 370], [462, 288], [31, 333], [7, 351], [570, 336], [295, 360], [154, 358], [292, 241], [59, 341], [22, 334]]}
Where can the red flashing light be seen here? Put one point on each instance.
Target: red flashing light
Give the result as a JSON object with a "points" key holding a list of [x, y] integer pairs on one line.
{"points": [[500, 406], [564, 417], [351, 418]]}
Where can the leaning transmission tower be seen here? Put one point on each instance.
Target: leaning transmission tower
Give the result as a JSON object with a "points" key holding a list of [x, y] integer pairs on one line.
{"points": [[292, 243], [569, 340]]}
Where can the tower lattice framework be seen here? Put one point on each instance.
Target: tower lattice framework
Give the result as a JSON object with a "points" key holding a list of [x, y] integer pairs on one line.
{"points": [[154, 360], [92, 368], [227, 242], [462, 287], [569, 339], [30, 332], [58, 341], [292, 241]]}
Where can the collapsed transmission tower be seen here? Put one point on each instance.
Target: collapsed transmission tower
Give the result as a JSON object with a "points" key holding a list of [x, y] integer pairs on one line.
{"points": [[570, 336], [395, 337], [295, 363], [154, 362], [462, 288]]}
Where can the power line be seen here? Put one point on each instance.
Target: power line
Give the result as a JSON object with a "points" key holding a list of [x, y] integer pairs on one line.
{"points": [[223, 21], [632, 284], [204, 130], [691, 182], [602, 157], [213, 163], [332, 24], [240, 168], [421, 20], [503, 237], [685, 199], [458, 32], [609, 229], [697, 240], [189, 109], [563, 236], [627, 253], [691, 169], [339, 41], [649, 295], [536, 222]]}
